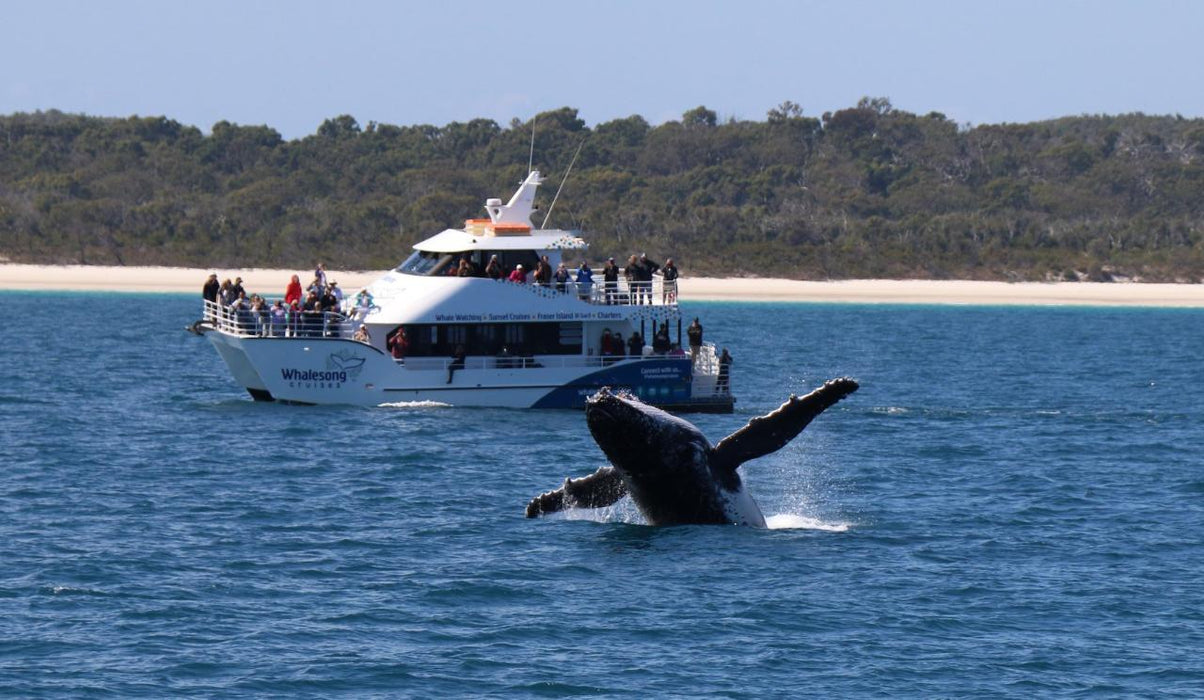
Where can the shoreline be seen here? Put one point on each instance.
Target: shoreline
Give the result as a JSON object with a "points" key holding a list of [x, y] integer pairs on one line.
{"points": [[271, 283]]}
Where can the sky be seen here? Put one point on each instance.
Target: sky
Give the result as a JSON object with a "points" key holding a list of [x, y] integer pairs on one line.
{"points": [[292, 65]]}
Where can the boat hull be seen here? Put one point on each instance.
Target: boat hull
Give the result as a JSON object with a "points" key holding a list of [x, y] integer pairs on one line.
{"points": [[341, 371]]}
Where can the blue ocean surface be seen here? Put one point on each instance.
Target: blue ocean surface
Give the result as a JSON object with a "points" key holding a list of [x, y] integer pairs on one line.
{"points": [[1011, 505]]}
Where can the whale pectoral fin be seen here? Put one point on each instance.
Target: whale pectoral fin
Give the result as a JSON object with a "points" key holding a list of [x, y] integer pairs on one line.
{"points": [[598, 490], [771, 432]]}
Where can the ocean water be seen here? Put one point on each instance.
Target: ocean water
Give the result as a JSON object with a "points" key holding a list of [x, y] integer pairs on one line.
{"points": [[1012, 505]]}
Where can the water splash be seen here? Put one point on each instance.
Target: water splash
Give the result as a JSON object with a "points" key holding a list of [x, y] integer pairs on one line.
{"points": [[793, 521]]}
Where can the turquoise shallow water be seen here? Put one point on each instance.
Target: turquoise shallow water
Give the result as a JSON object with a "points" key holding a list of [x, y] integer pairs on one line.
{"points": [[1012, 504]]}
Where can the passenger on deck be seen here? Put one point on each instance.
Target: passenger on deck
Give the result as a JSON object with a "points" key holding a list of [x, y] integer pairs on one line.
{"points": [[311, 315], [397, 344], [465, 268], [329, 302], [585, 280], [337, 294], [635, 344], [211, 288], [605, 347], [494, 269], [456, 363], [610, 280], [259, 312], [224, 298], [320, 276], [236, 290], [646, 268], [631, 274], [209, 293], [694, 333], [660, 341], [518, 276], [294, 318], [561, 276], [293, 292], [361, 335], [725, 363], [279, 319], [240, 309], [543, 272], [670, 274], [363, 302]]}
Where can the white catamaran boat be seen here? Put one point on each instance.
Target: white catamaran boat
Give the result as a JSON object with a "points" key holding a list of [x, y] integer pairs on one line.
{"points": [[473, 340]]}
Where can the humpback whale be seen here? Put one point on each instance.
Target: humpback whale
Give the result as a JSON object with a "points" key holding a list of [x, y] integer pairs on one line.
{"points": [[671, 471]]}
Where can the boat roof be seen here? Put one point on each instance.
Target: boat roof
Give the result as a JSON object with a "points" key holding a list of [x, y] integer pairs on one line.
{"points": [[507, 228], [455, 240]]}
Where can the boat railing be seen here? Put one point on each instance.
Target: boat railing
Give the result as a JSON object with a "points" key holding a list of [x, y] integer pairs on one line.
{"points": [[710, 379], [261, 323], [657, 292]]}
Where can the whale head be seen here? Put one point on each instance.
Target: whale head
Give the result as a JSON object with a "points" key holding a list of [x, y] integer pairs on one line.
{"points": [[664, 460]]}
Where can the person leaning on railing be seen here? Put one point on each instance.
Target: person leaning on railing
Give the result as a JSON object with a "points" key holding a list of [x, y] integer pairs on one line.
{"points": [[279, 319]]}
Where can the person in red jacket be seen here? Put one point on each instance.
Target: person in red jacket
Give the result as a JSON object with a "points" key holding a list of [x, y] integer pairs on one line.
{"points": [[293, 291], [397, 343]]}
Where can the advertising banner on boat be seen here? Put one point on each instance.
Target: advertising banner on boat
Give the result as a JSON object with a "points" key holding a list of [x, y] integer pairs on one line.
{"points": [[664, 381]]}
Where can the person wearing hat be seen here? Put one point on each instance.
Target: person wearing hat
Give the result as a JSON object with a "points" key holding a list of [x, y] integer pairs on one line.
{"points": [[336, 293], [237, 291], [610, 280], [518, 276]]}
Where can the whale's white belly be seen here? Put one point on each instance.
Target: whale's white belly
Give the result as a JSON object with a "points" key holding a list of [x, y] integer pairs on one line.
{"points": [[741, 508]]}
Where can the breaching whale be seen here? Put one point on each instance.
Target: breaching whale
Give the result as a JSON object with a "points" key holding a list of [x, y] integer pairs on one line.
{"points": [[673, 474]]}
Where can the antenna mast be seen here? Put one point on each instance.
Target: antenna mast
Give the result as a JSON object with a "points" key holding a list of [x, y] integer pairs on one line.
{"points": [[531, 155], [566, 177]]}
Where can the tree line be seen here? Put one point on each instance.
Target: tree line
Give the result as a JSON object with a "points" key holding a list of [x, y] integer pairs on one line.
{"points": [[864, 192]]}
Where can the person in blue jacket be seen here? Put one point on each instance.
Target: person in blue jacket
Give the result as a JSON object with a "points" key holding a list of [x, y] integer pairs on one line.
{"points": [[585, 280]]}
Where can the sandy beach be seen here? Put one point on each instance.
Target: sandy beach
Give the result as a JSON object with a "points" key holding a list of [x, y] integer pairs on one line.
{"points": [[271, 283]]}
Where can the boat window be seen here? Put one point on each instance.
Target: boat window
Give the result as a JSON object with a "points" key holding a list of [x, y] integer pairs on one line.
{"points": [[423, 262], [519, 339]]}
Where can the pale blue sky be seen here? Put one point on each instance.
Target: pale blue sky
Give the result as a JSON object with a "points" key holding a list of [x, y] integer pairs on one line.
{"points": [[291, 65]]}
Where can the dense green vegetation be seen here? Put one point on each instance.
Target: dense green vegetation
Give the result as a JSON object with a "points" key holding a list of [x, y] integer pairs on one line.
{"points": [[869, 191]]}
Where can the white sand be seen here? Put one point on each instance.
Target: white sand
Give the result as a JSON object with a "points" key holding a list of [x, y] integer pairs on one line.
{"points": [[271, 283]]}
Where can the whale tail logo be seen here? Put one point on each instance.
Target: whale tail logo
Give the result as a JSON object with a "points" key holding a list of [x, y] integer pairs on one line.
{"points": [[346, 361]]}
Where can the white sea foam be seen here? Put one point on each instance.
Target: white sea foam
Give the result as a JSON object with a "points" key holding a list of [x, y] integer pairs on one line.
{"points": [[792, 521], [415, 404]]}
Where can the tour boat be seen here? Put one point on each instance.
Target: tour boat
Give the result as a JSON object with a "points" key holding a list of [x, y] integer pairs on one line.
{"points": [[473, 340]]}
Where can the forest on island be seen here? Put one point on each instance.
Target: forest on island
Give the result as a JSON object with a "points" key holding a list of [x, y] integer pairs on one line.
{"points": [[864, 192]]}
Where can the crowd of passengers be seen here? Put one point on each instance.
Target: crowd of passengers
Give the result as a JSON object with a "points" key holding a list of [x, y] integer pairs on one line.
{"points": [[637, 274], [312, 311]]}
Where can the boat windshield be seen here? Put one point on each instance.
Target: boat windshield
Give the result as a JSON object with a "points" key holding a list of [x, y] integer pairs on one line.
{"points": [[422, 262]]}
